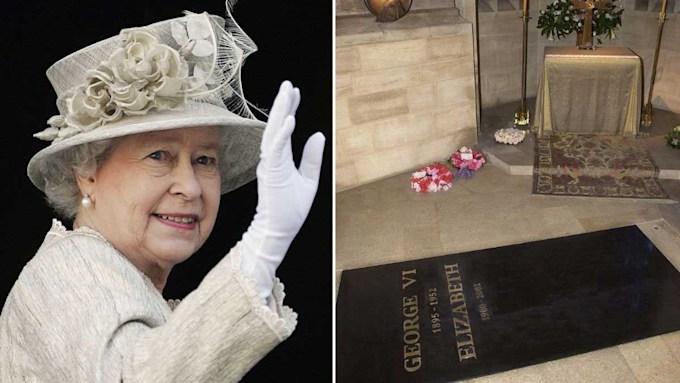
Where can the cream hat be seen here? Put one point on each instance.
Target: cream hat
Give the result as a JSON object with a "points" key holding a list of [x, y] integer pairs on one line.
{"points": [[177, 73]]}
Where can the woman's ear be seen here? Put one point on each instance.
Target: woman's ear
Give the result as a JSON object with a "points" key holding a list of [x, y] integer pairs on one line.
{"points": [[86, 184]]}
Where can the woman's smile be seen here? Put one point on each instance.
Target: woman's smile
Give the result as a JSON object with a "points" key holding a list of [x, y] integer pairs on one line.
{"points": [[179, 221]]}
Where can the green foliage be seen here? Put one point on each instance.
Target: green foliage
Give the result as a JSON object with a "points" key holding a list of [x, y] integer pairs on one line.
{"points": [[673, 138], [560, 19]]}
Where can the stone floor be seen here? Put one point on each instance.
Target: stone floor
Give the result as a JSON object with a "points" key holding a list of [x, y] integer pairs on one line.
{"points": [[386, 222]]}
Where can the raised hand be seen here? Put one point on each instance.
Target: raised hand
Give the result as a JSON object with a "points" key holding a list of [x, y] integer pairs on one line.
{"points": [[285, 193]]}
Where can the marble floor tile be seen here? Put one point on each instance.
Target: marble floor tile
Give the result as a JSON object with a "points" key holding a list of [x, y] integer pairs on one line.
{"points": [[422, 241], [672, 340], [651, 360], [531, 374], [602, 366]]}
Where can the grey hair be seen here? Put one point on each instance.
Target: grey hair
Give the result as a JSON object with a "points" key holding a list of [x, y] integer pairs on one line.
{"points": [[61, 186]]}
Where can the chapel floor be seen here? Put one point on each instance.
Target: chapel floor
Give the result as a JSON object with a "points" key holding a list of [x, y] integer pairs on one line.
{"points": [[385, 222]]}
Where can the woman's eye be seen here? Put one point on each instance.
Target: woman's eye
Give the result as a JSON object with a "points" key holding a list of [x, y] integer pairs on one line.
{"points": [[206, 160], [158, 155]]}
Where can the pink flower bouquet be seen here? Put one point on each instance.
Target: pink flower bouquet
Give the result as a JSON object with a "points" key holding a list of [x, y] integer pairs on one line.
{"points": [[467, 161], [432, 178]]}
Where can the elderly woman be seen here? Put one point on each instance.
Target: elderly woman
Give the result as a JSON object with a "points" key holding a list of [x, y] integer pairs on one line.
{"points": [[145, 143]]}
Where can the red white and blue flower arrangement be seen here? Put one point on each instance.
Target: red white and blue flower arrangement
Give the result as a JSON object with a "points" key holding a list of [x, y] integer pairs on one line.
{"points": [[432, 178], [437, 176]]}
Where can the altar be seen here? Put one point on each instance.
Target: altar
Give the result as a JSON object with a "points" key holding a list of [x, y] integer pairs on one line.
{"points": [[589, 91]]}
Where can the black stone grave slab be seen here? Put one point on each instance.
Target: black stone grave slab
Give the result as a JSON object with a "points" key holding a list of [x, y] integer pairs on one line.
{"points": [[464, 315]]}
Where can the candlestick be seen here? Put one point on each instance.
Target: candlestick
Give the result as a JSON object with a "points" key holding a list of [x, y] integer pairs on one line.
{"points": [[647, 118], [522, 115]]}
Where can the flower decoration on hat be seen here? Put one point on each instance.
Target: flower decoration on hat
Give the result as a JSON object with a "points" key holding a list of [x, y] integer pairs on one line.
{"points": [[432, 178], [144, 74], [467, 161], [194, 38], [140, 76]]}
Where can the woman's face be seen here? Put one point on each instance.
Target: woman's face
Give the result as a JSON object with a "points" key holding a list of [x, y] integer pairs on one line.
{"points": [[157, 195]]}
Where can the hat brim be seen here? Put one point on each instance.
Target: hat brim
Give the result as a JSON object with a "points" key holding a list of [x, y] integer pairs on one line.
{"points": [[241, 139]]}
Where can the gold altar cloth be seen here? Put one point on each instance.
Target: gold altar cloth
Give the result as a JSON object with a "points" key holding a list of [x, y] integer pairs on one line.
{"points": [[589, 91]]}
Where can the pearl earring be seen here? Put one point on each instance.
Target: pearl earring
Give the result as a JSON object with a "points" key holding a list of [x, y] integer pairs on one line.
{"points": [[86, 201]]}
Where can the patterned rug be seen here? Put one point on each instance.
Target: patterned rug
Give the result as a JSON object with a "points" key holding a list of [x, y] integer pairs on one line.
{"points": [[595, 166]]}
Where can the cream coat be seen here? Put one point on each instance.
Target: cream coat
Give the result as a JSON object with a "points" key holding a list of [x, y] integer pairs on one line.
{"points": [[81, 312]]}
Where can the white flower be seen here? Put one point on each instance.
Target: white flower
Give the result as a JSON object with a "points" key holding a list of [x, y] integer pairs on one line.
{"points": [[195, 38], [144, 58], [84, 113], [558, 12], [132, 61], [675, 141], [419, 174], [566, 18], [134, 98]]}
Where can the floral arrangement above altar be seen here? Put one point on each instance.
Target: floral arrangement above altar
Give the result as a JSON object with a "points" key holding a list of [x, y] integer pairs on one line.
{"points": [[562, 17]]}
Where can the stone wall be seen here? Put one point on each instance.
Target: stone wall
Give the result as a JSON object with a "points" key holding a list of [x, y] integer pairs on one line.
{"points": [[500, 53], [405, 93], [357, 7]]}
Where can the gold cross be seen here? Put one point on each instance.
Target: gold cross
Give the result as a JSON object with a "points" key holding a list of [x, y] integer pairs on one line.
{"points": [[588, 6]]}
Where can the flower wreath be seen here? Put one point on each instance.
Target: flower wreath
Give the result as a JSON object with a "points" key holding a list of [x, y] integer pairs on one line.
{"points": [[510, 136], [432, 178], [467, 161]]}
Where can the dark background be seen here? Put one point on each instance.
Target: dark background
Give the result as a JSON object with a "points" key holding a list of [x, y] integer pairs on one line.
{"points": [[294, 40]]}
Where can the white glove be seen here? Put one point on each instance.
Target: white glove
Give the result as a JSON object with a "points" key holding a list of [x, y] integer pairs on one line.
{"points": [[285, 194]]}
